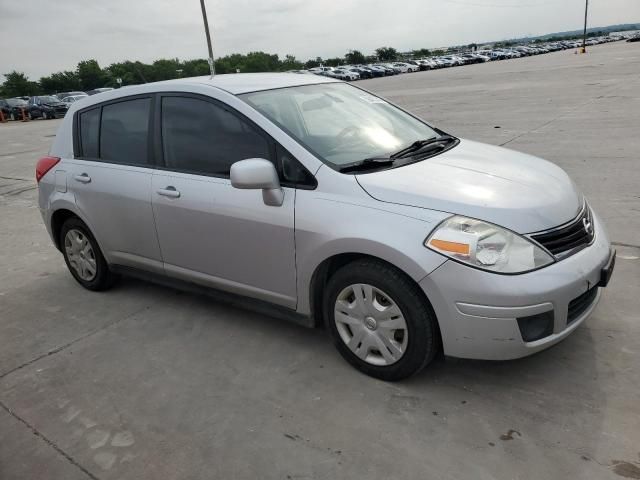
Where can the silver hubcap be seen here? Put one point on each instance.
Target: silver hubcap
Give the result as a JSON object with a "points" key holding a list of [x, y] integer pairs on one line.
{"points": [[371, 324], [80, 254]]}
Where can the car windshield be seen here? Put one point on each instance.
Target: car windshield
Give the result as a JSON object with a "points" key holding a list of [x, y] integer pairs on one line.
{"points": [[16, 102], [339, 123], [49, 99]]}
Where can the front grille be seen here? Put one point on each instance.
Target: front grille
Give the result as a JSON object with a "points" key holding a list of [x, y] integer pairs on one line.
{"points": [[568, 238], [579, 305]]}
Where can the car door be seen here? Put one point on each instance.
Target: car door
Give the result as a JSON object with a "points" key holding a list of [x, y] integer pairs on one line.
{"points": [[32, 107], [209, 232], [110, 178]]}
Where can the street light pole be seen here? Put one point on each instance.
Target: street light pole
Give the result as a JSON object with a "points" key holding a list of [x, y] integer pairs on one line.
{"points": [[584, 35], [212, 67]]}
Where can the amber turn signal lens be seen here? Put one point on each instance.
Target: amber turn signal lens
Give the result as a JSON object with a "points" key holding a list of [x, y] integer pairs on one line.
{"points": [[453, 247]]}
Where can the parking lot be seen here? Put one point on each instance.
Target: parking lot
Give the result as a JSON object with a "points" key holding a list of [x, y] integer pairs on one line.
{"points": [[145, 382]]}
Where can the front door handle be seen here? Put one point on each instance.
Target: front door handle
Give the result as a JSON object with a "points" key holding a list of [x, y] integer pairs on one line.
{"points": [[83, 178], [169, 191]]}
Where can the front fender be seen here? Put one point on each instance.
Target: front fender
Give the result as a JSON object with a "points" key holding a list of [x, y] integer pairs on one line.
{"points": [[326, 228]]}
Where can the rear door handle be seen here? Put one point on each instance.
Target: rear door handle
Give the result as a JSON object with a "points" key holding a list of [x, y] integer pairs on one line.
{"points": [[170, 192], [83, 178]]}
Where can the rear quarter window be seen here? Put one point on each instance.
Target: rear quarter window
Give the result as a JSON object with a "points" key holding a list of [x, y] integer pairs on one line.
{"points": [[124, 132], [115, 132], [89, 132]]}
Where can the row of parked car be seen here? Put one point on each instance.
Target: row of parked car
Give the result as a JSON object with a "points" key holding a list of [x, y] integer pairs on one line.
{"points": [[357, 72], [42, 106], [56, 106]]}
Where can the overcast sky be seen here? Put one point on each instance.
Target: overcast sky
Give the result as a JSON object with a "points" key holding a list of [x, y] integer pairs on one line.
{"points": [[44, 36]]}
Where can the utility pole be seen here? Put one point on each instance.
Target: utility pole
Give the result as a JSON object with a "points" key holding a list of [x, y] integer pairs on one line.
{"points": [[212, 67], [584, 35]]}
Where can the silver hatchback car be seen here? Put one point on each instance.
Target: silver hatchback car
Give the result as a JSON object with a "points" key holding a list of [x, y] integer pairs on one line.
{"points": [[334, 205]]}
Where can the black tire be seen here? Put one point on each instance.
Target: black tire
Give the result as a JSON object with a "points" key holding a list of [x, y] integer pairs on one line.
{"points": [[422, 326], [103, 278]]}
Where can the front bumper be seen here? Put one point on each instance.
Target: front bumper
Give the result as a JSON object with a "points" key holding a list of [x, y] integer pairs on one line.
{"points": [[57, 112], [477, 310]]}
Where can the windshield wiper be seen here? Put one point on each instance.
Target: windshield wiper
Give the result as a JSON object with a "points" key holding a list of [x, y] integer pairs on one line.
{"points": [[366, 164], [420, 144]]}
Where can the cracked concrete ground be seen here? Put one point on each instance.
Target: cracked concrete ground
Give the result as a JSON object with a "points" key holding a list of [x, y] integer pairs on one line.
{"points": [[143, 382]]}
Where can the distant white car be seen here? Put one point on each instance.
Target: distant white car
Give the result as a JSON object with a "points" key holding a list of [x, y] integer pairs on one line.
{"points": [[398, 67], [404, 67], [72, 99], [428, 63], [326, 71], [445, 62], [453, 60], [345, 74], [409, 67], [390, 66]]}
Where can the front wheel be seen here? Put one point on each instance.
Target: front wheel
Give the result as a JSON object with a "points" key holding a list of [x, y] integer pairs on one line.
{"points": [[379, 320]]}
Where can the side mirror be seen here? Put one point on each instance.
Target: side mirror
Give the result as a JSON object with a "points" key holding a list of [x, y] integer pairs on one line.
{"points": [[258, 174]]}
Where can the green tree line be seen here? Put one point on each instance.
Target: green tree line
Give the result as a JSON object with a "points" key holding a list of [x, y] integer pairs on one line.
{"points": [[89, 74]]}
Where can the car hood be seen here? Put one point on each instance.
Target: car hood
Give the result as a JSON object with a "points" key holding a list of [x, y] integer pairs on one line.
{"points": [[518, 191]]}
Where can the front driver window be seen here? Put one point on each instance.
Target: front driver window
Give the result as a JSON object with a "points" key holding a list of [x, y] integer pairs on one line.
{"points": [[201, 137]]}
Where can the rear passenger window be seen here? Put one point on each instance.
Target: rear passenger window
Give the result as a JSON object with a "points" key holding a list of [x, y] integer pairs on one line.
{"points": [[124, 132], [201, 137], [89, 128]]}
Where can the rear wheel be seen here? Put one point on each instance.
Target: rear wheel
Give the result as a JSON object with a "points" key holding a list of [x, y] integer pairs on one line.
{"points": [[83, 256], [379, 320]]}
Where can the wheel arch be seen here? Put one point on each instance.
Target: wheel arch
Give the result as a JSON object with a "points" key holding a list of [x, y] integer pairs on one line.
{"points": [[57, 220], [61, 215], [333, 263]]}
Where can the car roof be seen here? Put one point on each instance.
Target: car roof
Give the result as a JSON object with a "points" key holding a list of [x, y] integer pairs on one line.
{"points": [[238, 83], [234, 84]]}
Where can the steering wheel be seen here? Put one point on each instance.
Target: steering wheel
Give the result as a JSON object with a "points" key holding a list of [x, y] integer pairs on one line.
{"points": [[347, 132], [347, 135]]}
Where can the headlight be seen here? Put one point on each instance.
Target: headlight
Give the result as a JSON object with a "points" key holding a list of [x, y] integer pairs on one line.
{"points": [[486, 246]]}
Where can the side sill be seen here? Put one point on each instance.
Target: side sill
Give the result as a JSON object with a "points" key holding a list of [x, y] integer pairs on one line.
{"points": [[239, 301]]}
